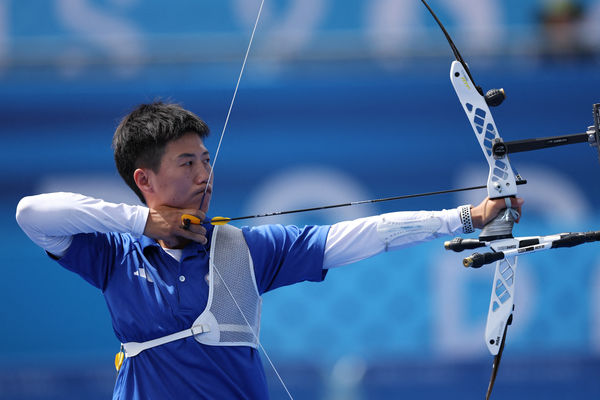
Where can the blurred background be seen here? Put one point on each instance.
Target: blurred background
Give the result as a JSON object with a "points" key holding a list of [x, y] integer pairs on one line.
{"points": [[341, 100]]}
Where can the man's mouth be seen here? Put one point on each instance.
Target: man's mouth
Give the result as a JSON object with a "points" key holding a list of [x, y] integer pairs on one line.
{"points": [[205, 190]]}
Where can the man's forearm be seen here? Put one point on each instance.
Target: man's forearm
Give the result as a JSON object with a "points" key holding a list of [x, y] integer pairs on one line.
{"points": [[352, 241]]}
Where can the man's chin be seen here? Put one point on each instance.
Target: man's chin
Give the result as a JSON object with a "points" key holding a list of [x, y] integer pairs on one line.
{"points": [[191, 205], [194, 204]]}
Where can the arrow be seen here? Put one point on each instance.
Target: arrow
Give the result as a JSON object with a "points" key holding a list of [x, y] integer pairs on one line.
{"points": [[187, 219]]}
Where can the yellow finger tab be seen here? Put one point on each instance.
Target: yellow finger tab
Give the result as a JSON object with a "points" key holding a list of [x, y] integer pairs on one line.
{"points": [[191, 218], [119, 357], [220, 220]]}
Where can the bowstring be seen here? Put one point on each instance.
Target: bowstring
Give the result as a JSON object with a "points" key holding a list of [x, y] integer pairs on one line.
{"points": [[237, 85], [254, 333], [212, 168]]}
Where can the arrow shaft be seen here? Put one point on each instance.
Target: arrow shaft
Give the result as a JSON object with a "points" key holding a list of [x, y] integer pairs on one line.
{"points": [[354, 203]]}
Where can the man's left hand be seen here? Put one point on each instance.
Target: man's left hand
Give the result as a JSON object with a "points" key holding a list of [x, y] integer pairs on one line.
{"points": [[489, 208]]}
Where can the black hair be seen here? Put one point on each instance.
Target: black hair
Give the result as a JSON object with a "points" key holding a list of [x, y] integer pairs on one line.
{"points": [[141, 137]]}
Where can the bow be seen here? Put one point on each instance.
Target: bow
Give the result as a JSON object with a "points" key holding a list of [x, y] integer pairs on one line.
{"points": [[502, 183]]}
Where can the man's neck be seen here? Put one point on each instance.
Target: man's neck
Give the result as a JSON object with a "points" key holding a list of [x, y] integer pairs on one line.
{"points": [[180, 244]]}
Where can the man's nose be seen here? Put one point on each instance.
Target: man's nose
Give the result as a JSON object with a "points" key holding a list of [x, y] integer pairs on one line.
{"points": [[202, 175]]}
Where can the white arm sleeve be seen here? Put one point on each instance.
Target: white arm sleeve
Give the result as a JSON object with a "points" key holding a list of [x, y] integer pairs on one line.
{"points": [[352, 241], [50, 220]]}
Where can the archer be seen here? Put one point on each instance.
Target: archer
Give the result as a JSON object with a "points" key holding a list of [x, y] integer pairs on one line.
{"points": [[185, 298]]}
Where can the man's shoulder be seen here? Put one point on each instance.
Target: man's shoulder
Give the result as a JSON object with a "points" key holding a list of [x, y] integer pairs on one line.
{"points": [[284, 234], [266, 232]]}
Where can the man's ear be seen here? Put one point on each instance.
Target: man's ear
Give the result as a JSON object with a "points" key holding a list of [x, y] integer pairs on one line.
{"points": [[143, 180]]}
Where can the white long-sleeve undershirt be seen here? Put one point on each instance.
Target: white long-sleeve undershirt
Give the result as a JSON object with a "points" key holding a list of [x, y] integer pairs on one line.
{"points": [[352, 241], [50, 220]]}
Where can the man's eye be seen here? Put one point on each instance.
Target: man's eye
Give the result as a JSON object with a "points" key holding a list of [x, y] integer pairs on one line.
{"points": [[188, 164]]}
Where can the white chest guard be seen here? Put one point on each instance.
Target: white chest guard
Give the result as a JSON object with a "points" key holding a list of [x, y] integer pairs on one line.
{"points": [[232, 313], [233, 308]]}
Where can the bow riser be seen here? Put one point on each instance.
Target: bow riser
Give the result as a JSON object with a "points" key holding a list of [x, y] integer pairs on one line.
{"points": [[501, 179], [501, 183]]}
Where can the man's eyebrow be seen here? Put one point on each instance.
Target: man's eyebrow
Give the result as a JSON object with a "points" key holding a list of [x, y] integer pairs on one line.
{"points": [[186, 155]]}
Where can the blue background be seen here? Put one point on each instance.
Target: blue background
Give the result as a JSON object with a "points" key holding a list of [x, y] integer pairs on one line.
{"points": [[325, 113]]}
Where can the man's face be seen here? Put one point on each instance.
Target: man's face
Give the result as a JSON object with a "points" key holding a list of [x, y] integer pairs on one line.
{"points": [[182, 178]]}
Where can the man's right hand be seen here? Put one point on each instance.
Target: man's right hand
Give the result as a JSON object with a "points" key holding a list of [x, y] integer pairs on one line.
{"points": [[164, 225]]}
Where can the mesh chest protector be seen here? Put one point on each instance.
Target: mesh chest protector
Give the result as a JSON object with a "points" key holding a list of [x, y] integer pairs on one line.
{"points": [[232, 289], [232, 313]]}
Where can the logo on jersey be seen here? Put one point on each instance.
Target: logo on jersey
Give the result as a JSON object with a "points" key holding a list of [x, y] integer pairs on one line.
{"points": [[142, 274]]}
